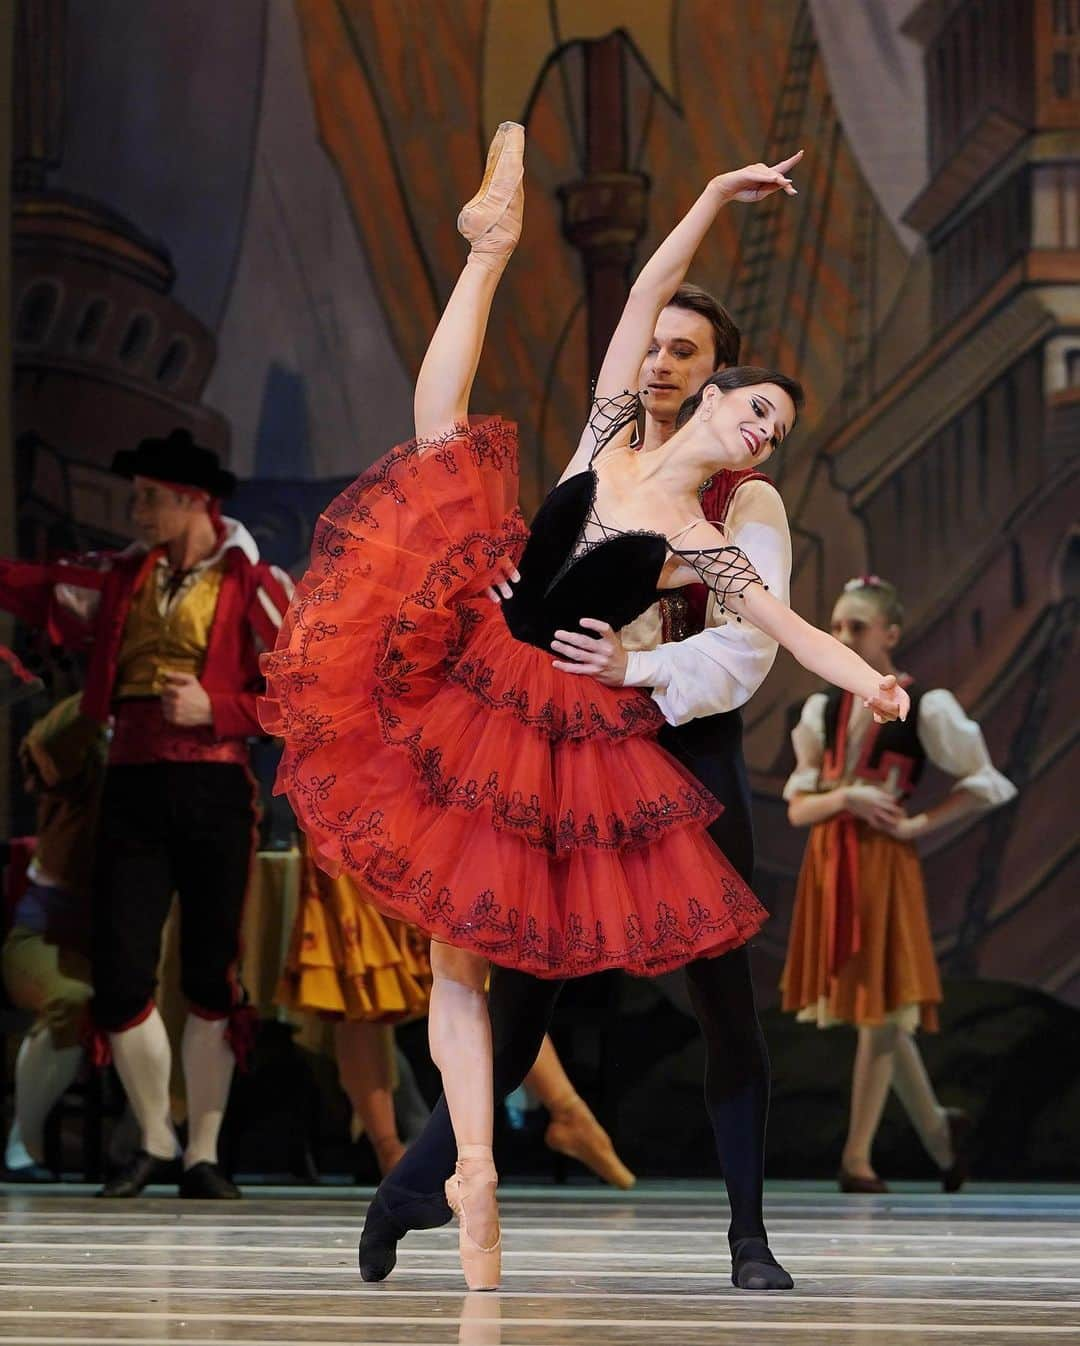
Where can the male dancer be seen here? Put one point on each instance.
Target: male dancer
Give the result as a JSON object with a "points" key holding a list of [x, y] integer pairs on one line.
{"points": [[700, 669], [173, 627]]}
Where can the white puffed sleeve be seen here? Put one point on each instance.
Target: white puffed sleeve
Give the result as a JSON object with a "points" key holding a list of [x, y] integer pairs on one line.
{"points": [[954, 743], [722, 667], [808, 740]]}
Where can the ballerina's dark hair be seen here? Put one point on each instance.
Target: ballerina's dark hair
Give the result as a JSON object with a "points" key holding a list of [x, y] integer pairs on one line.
{"points": [[741, 376]]}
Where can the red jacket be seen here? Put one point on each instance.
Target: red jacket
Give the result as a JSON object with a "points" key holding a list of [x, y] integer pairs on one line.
{"points": [[84, 605]]}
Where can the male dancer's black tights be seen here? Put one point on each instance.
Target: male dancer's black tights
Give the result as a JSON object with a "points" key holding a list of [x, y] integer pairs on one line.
{"points": [[722, 995]]}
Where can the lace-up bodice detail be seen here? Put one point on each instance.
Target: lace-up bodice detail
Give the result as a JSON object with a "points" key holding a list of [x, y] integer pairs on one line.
{"points": [[576, 565]]}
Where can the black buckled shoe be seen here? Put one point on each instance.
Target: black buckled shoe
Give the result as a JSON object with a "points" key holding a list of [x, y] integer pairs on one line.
{"points": [[141, 1170], [206, 1182]]}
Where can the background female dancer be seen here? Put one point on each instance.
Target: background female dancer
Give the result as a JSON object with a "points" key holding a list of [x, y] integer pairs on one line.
{"points": [[860, 950], [584, 846]]}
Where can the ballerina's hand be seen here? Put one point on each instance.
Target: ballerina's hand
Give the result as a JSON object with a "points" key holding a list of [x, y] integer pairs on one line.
{"points": [[756, 181], [890, 702], [501, 588]]}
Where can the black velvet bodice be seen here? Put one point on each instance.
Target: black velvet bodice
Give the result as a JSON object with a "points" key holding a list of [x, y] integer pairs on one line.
{"points": [[614, 580]]}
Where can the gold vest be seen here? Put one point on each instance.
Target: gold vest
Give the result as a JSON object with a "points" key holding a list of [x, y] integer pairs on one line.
{"points": [[175, 641]]}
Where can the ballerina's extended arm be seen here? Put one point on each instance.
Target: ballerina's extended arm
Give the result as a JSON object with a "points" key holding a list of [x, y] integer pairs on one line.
{"points": [[729, 573]]}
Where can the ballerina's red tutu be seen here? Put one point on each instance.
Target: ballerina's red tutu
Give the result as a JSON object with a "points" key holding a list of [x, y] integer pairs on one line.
{"points": [[432, 750]]}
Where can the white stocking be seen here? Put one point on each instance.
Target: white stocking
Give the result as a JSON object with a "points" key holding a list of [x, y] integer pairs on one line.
{"points": [[42, 1073], [143, 1060], [208, 1071]]}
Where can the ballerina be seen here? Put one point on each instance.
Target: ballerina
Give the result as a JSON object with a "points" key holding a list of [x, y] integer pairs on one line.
{"points": [[515, 813]]}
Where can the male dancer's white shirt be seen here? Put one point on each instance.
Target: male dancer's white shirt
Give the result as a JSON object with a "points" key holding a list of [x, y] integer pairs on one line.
{"points": [[722, 667]]}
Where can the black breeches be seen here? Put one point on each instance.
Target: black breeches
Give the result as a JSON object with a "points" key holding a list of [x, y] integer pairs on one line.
{"points": [[170, 827]]}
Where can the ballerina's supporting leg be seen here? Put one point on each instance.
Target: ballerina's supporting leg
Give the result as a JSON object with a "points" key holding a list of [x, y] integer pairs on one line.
{"points": [[459, 1033]]}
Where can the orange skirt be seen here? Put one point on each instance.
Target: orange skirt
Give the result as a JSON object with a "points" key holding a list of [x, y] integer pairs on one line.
{"points": [[893, 974], [347, 960], [470, 788]]}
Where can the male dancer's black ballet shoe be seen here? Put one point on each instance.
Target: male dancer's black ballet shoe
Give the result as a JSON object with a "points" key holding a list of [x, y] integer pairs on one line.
{"points": [[141, 1170], [753, 1267], [852, 1182], [960, 1125], [378, 1242], [384, 1230], [206, 1182]]}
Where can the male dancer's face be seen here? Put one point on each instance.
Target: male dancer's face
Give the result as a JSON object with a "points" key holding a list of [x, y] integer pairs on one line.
{"points": [[160, 515], [679, 360]]}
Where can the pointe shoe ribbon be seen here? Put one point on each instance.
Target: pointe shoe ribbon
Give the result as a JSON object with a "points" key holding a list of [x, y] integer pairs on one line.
{"points": [[482, 1266], [500, 198]]}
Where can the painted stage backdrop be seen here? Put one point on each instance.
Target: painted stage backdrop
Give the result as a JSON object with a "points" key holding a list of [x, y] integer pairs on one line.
{"points": [[240, 218]]}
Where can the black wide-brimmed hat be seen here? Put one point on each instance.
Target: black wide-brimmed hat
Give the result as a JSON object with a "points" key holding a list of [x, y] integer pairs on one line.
{"points": [[177, 459]]}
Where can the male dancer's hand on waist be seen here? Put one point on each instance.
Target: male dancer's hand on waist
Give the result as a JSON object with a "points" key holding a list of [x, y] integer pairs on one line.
{"points": [[601, 656]]}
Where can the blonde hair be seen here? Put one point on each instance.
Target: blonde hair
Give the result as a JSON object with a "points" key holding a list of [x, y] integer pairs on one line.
{"points": [[883, 594]]}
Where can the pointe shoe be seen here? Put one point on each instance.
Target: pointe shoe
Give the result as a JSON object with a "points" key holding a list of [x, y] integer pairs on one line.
{"points": [[491, 221], [574, 1131], [482, 1266]]}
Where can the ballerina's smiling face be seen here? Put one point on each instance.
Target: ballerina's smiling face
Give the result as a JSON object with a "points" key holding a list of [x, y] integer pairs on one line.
{"points": [[747, 424]]}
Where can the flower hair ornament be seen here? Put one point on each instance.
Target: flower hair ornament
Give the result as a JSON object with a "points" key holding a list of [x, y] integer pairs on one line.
{"points": [[864, 582]]}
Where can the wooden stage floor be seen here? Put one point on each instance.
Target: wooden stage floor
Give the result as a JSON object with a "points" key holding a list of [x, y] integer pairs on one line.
{"points": [[648, 1268]]}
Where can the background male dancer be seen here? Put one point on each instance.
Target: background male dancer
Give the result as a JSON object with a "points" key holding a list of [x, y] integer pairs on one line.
{"points": [[700, 669], [172, 626]]}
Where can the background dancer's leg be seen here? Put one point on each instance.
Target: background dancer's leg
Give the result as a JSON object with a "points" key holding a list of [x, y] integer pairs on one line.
{"points": [[143, 1060], [871, 1080], [43, 1072], [573, 1129], [916, 1093], [208, 1070], [365, 1061]]}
